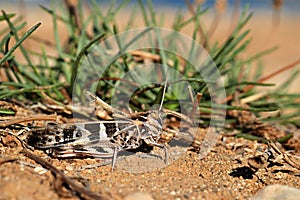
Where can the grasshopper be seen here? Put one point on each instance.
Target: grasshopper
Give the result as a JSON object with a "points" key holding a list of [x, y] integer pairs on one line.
{"points": [[104, 139]]}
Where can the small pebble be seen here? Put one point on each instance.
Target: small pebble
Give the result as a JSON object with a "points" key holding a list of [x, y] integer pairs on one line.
{"points": [[40, 170], [69, 168], [274, 192], [139, 196]]}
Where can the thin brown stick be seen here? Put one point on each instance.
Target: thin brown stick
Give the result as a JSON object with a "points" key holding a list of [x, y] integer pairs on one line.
{"points": [[146, 55], [285, 157], [263, 79], [27, 119], [63, 178], [6, 160]]}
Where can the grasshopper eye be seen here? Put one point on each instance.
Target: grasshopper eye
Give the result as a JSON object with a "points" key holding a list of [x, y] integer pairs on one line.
{"points": [[156, 116]]}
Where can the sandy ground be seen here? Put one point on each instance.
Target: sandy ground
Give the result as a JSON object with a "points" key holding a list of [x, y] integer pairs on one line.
{"points": [[222, 174], [234, 169]]}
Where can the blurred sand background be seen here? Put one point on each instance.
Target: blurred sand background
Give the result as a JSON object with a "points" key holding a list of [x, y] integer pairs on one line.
{"points": [[267, 30]]}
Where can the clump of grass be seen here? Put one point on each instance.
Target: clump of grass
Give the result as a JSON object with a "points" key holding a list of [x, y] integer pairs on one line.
{"points": [[52, 80]]}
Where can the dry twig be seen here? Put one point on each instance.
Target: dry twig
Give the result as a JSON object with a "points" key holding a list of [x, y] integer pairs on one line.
{"points": [[27, 119], [289, 160], [62, 178], [263, 79]]}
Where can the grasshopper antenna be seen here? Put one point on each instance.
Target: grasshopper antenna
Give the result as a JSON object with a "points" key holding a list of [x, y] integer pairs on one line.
{"points": [[164, 92]]}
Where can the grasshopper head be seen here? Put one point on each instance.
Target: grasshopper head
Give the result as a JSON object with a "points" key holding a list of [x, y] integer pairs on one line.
{"points": [[155, 121]]}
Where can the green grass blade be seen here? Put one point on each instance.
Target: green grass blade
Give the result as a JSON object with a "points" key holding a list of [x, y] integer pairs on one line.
{"points": [[78, 58], [14, 31], [19, 42]]}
